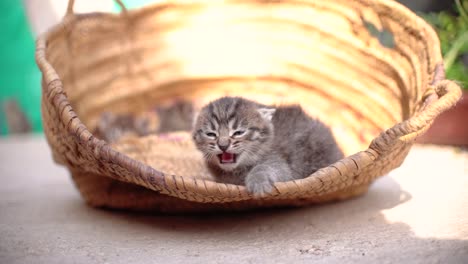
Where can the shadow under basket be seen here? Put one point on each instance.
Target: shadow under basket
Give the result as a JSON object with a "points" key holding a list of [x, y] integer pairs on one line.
{"points": [[377, 96]]}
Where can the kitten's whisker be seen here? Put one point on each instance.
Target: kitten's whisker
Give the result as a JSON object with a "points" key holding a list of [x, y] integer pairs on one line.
{"points": [[260, 163]]}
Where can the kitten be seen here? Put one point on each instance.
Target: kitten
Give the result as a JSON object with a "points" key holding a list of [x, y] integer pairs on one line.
{"points": [[176, 117], [244, 142], [111, 126]]}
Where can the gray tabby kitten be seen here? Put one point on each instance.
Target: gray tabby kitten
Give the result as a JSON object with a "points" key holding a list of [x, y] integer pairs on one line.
{"points": [[244, 142]]}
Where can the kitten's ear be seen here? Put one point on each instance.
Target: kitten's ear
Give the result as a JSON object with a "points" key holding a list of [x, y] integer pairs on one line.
{"points": [[267, 113], [195, 118], [107, 118]]}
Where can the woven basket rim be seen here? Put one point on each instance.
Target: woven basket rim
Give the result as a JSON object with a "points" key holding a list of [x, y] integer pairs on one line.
{"points": [[440, 96]]}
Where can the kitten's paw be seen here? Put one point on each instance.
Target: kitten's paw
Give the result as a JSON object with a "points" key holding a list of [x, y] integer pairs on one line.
{"points": [[258, 184]]}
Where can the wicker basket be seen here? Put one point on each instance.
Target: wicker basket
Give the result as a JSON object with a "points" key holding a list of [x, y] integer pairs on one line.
{"points": [[377, 99]]}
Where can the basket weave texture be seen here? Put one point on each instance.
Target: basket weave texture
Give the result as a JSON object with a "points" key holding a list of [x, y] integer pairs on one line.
{"points": [[377, 99]]}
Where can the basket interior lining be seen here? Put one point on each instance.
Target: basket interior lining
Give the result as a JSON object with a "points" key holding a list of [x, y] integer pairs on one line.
{"points": [[132, 66]]}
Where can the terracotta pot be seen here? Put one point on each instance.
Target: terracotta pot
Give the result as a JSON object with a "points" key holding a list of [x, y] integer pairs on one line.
{"points": [[450, 127]]}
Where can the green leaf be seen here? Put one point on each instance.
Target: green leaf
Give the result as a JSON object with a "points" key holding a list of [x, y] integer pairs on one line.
{"points": [[453, 34]]}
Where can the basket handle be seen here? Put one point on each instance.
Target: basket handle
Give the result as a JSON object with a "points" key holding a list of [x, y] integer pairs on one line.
{"points": [[71, 3], [442, 95]]}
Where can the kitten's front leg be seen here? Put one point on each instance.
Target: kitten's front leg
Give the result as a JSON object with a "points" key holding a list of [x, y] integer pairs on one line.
{"points": [[261, 178]]}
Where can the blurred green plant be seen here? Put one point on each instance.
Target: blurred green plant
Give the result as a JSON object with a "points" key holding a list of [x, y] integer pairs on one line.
{"points": [[452, 28]]}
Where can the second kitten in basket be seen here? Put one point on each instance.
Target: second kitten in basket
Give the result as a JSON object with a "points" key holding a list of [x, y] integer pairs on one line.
{"points": [[244, 142], [178, 116]]}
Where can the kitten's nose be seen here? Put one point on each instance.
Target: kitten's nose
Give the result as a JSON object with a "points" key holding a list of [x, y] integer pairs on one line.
{"points": [[223, 144]]}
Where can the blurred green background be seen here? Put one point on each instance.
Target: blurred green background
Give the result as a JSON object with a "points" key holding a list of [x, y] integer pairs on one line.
{"points": [[19, 76]]}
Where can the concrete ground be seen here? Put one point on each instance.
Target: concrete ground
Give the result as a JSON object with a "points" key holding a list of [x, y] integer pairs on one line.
{"points": [[417, 214]]}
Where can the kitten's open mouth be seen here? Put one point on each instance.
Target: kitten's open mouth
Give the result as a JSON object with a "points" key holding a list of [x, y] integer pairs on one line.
{"points": [[226, 157]]}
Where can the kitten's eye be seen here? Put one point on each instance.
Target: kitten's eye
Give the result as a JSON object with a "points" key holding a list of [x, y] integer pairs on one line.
{"points": [[210, 134], [238, 133]]}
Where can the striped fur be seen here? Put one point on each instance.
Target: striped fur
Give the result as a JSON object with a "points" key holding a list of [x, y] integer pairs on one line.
{"points": [[270, 144]]}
